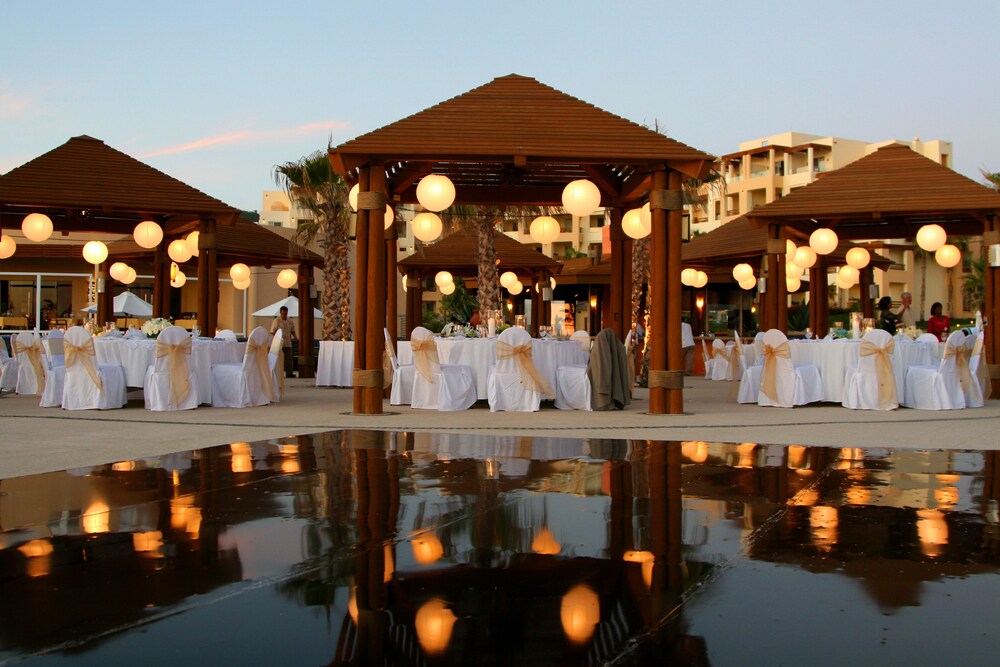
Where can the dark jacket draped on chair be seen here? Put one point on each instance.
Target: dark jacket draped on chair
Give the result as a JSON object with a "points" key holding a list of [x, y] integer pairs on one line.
{"points": [[608, 372]]}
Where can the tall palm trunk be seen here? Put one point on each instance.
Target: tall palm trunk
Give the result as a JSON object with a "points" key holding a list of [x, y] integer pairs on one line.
{"points": [[489, 284], [640, 282]]}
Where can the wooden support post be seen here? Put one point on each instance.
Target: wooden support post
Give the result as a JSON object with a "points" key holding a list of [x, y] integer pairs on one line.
{"points": [[105, 296], [392, 281], [666, 360], [161, 282], [208, 277], [620, 315], [361, 287], [866, 280], [376, 273], [307, 361], [776, 291], [819, 304], [991, 306], [414, 302]]}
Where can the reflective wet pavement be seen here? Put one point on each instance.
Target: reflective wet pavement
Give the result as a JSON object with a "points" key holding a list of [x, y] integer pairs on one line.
{"points": [[367, 547]]}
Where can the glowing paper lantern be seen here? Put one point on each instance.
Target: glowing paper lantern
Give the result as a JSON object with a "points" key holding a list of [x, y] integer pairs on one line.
{"points": [[435, 192], [447, 288], [805, 256], [793, 269], [858, 257], [390, 216], [287, 278], [191, 243], [118, 270], [7, 246], [793, 283], [633, 224], [948, 255], [742, 271], [37, 227], [352, 196], [129, 276], [147, 234], [823, 241], [508, 278], [749, 283], [442, 278], [931, 237], [516, 288], [843, 284], [178, 280], [178, 251], [689, 276], [701, 280], [552, 281], [427, 226], [849, 274], [581, 197], [95, 252], [241, 284], [544, 229], [239, 272], [790, 249]]}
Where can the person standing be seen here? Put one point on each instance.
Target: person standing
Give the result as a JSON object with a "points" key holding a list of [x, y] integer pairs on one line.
{"points": [[938, 324], [905, 312], [287, 336]]}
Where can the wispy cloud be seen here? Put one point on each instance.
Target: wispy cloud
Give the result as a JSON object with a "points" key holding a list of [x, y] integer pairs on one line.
{"points": [[251, 136], [13, 106]]}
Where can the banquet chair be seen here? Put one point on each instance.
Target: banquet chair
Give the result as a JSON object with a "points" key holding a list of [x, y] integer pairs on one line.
{"points": [[170, 383], [928, 338], [54, 343], [402, 375], [630, 355], [89, 385], [722, 360], [783, 384], [871, 385], [607, 370], [437, 386], [8, 368], [248, 383], [940, 387], [514, 383], [708, 358], [226, 334], [979, 389], [31, 363], [749, 376], [584, 339], [276, 363]]}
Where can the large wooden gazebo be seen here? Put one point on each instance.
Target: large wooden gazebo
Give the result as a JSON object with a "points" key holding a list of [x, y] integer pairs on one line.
{"points": [[890, 193], [515, 141], [86, 186]]}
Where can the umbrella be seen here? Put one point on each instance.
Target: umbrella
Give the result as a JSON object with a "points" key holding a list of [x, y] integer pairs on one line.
{"points": [[126, 304], [291, 302]]}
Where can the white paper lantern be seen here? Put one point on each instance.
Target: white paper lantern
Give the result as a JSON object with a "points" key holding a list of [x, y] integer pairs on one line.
{"points": [[178, 252], [37, 227], [442, 278], [435, 192], [191, 243], [544, 229], [147, 234], [95, 252], [390, 216], [507, 278], [793, 269], [848, 274], [552, 281], [129, 276], [748, 283], [858, 257], [742, 271], [931, 237], [241, 284], [581, 197], [633, 224], [689, 276], [7, 246], [118, 270], [823, 241], [404, 283], [426, 226], [287, 278], [790, 249], [516, 288], [352, 196], [701, 280], [948, 255], [239, 272], [843, 284], [178, 280], [805, 256], [793, 283], [447, 289]]}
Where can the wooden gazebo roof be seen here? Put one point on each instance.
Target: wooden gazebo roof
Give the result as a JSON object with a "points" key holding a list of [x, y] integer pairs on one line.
{"points": [[515, 140], [888, 194], [457, 253]]}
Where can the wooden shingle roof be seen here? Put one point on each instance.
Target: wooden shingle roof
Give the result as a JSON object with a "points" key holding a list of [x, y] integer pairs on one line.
{"points": [[515, 140], [458, 253]]}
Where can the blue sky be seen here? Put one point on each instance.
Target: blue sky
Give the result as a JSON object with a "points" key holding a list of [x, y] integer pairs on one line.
{"points": [[217, 92]]}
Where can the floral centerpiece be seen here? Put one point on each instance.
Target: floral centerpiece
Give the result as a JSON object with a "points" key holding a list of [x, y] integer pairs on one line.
{"points": [[153, 327]]}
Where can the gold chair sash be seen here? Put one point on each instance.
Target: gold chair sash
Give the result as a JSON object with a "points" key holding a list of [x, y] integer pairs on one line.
{"points": [[425, 357], [259, 354], [530, 377], [734, 363], [84, 354], [982, 370], [387, 366], [769, 378], [961, 355], [279, 370], [180, 384], [34, 354], [883, 371]]}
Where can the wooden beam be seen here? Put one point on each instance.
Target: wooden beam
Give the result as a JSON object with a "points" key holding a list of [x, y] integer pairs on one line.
{"points": [[408, 176], [605, 179]]}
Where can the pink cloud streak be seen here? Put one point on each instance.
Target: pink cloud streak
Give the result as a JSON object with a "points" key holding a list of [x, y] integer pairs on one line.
{"points": [[247, 136]]}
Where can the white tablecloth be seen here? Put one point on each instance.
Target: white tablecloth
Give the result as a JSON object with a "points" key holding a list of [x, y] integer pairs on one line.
{"points": [[335, 363], [137, 354]]}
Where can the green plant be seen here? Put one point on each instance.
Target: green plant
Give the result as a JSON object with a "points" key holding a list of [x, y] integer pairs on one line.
{"points": [[798, 318], [459, 304], [433, 321]]}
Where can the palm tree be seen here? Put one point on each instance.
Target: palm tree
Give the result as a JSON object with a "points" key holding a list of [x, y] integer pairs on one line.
{"points": [[312, 185]]}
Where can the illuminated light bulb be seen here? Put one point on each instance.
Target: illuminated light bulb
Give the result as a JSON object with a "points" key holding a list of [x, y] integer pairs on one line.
{"points": [[95, 252], [129, 277]]}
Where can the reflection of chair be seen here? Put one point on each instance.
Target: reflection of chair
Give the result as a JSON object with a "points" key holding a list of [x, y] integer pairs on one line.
{"points": [[8, 368], [783, 384], [940, 387], [276, 362], [31, 363], [89, 385], [872, 385], [608, 372], [226, 334], [402, 375], [514, 383], [170, 383], [247, 383], [438, 386]]}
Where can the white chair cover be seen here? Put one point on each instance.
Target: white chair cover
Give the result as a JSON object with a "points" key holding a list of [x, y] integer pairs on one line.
{"points": [[584, 339], [276, 361], [402, 375], [709, 359], [940, 387], [782, 383], [758, 346], [749, 376], [979, 389], [928, 338], [226, 334], [573, 388], [55, 381], [722, 360], [89, 385], [170, 383], [246, 384], [447, 388], [32, 367], [872, 384], [8, 368], [54, 343], [513, 384]]}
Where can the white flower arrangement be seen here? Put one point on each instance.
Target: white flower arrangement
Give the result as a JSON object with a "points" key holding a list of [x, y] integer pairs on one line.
{"points": [[153, 327]]}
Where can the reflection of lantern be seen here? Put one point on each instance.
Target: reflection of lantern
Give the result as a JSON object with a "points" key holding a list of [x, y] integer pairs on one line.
{"points": [[287, 278], [545, 543], [434, 623], [191, 242], [948, 255], [447, 288], [129, 276], [95, 252], [581, 197], [427, 549], [689, 276], [508, 278], [695, 451], [239, 272], [580, 612], [544, 229], [118, 270], [633, 224], [858, 257], [7, 246], [823, 241], [805, 256], [742, 271], [932, 529], [435, 192], [442, 278], [426, 226], [647, 561], [823, 525], [37, 227], [352, 196], [178, 251], [516, 288], [96, 518], [147, 234], [931, 237]]}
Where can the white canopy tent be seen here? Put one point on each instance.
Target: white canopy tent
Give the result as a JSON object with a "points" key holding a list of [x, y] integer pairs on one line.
{"points": [[291, 302], [127, 304]]}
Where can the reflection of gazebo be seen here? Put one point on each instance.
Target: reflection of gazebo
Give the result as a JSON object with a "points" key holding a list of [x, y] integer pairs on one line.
{"points": [[888, 194], [457, 253], [515, 141]]}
